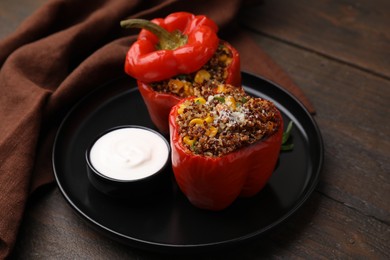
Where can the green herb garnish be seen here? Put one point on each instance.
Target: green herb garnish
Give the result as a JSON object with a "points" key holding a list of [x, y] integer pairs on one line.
{"points": [[220, 99], [182, 76], [244, 100], [286, 136], [193, 147]]}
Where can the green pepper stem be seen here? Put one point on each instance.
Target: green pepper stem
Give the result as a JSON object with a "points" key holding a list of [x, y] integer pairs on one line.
{"points": [[167, 40]]}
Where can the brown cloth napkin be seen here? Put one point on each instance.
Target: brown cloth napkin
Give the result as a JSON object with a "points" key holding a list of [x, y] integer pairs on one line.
{"points": [[58, 55]]}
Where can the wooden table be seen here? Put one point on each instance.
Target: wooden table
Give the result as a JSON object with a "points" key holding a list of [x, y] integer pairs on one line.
{"points": [[338, 52]]}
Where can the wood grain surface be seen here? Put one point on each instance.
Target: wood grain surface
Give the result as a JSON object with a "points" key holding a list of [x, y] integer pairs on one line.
{"points": [[338, 52], [354, 32]]}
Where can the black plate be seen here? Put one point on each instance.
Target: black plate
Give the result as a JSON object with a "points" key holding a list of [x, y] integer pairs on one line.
{"points": [[171, 223]]}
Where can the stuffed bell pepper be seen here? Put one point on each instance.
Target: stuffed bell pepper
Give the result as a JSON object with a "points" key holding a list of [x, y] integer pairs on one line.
{"points": [[174, 54], [225, 145]]}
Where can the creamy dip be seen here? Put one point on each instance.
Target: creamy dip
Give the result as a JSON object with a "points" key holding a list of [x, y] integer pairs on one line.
{"points": [[129, 153]]}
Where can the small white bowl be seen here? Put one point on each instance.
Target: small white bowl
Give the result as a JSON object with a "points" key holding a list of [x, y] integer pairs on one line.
{"points": [[128, 162]]}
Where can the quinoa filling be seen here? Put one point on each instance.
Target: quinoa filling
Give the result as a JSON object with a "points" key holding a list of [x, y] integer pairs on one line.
{"points": [[185, 85], [224, 120]]}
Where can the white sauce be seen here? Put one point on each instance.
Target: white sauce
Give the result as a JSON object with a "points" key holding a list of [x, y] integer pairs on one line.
{"points": [[129, 153]]}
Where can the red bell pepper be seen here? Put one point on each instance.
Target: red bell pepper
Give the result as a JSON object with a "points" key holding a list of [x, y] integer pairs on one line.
{"points": [[148, 63], [159, 104], [213, 183], [179, 44]]}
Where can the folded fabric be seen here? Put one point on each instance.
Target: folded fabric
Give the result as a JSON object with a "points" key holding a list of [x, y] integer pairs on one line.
{"points": [[58, 55]]}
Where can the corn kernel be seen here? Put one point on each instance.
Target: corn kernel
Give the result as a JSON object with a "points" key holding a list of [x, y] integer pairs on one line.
{"points": [[201, 76], [200, 100], [188, 91], [221, 88], [187, 140], [223, 57], [228, 61], [212, 131], [175, 85], [209, 119], [181, 108], [231, 102], [225, 74], [196, 121], [270, 126]]}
